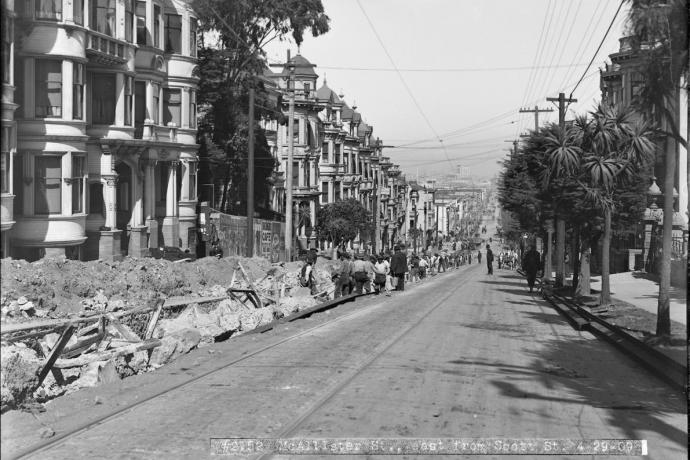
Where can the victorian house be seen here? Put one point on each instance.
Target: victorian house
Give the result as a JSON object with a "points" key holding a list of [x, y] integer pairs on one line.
{"points": [[104, 103], [307, 139]]}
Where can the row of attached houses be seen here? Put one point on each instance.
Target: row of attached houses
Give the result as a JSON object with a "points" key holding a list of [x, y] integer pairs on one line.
{"points": [[99, 153], [335, 157]]}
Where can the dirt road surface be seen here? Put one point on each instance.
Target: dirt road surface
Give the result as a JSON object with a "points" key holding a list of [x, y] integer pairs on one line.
{"points": [[464, 354]]}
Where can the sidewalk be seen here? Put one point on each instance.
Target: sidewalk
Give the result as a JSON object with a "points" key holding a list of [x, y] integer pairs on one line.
{"points": [[636, 289]]}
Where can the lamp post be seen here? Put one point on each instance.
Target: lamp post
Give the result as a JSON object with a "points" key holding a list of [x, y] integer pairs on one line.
{"points": [[291, 147]]}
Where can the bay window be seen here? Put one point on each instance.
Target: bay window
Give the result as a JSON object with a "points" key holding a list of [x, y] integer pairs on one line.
{"points": [[172, 100], [78, 92], [128, 100], [192, 36], [142, 36], [103, 17], [49, 9], [48, 184], [192, 179], [129, 20], [48, 86], [78, 183], [103, 99], [173, 33], [19, 91]]}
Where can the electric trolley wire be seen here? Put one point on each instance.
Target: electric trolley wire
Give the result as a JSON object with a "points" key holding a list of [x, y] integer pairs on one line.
{"points": [[598, 48], [567, 38], [443, 69], [414, 99]]}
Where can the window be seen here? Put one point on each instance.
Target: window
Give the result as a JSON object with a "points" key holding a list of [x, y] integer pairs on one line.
{"points": [[103, 99], [78, 183], [324, 152], [6, 47], [48, 185], [336, 191], [173, 33], [156, 26], [307, 89], [156, 102], [48, 89], [324, 192], [103, 17], [192, 179], [78, 92], [5, 159], [142, 36], [192, 36], [128, 100], [96, 203], [171, 106], [49, 9], [192, 109], [295, 173], [162, 181], [337, 154], [78, 11], [19, 91], [129, 20], [139, 105]]}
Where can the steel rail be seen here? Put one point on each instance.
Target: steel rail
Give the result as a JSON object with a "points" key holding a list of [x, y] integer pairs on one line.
{"points": [[121, 411], [336, 388], [63, 437]]}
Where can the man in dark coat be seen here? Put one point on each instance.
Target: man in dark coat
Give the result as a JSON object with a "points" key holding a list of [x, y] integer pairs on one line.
{"points": [[531, 262], [489, 260], [398, 268]]}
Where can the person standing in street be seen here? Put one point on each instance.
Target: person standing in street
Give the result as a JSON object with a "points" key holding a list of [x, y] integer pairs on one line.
{"points": [[479, 255], [359, 267], [399, 268], [531, 263], [489, 260], [381, 270]]}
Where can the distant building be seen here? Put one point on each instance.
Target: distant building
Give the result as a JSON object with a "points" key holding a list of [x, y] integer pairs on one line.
{"points": [[104, 103]]}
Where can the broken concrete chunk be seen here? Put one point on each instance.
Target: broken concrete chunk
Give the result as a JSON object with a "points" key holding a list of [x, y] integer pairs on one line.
{"points": [[173, 345]]}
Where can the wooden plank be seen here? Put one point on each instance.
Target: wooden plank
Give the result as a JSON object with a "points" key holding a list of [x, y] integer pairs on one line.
{"points": [[106, 355], [124, 332], [249, 281], [57, 373], [55, 352], [82, 345], [153, 321]]}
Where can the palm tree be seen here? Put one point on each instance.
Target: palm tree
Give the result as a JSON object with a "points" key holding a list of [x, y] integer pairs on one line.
{"points": [[662, 26], [617, 147]]}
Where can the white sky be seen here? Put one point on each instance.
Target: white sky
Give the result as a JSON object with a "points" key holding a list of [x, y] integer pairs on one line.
{"points": [[437, 35]]}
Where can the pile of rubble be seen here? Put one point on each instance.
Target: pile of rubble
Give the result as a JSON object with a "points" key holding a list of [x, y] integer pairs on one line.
{"points": [[155, 312]]}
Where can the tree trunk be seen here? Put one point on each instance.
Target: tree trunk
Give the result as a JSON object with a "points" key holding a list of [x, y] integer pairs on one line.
{"points": [[583, 285], [560, 252], [574, 256], [663, 325], [605, 296]]}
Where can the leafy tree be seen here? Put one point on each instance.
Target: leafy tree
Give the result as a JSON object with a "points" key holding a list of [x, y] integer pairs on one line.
{"points": [[231, 63], [343, 221], [662, 27]]}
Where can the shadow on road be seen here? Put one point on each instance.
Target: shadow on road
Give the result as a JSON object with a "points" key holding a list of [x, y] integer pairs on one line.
{"points": [[634, 406]]}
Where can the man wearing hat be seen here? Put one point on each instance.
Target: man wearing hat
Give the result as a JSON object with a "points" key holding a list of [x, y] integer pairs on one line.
{"points": [[399, 268]]}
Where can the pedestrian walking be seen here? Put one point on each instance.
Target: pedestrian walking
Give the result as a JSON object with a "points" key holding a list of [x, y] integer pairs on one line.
{"points": [[359, 267], [381, 270], [398, 268], [531, 262], [479, 255], [489, 260]]}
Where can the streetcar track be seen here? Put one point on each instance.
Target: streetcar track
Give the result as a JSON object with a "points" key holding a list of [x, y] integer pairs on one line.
{"points": [[334, 389], [60, 439]]}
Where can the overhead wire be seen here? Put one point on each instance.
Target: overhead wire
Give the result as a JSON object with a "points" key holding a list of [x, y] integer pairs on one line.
{"points": [[402, 79], [567, 38]]}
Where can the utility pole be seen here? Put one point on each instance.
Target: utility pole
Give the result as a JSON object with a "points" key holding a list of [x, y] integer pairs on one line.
{"points": [[250, 178], [536, 111], [513, 152], [560, 223], [291, 148]]}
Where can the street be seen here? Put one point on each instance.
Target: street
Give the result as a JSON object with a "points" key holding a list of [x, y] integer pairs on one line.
{"points": [[464, 354]]}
